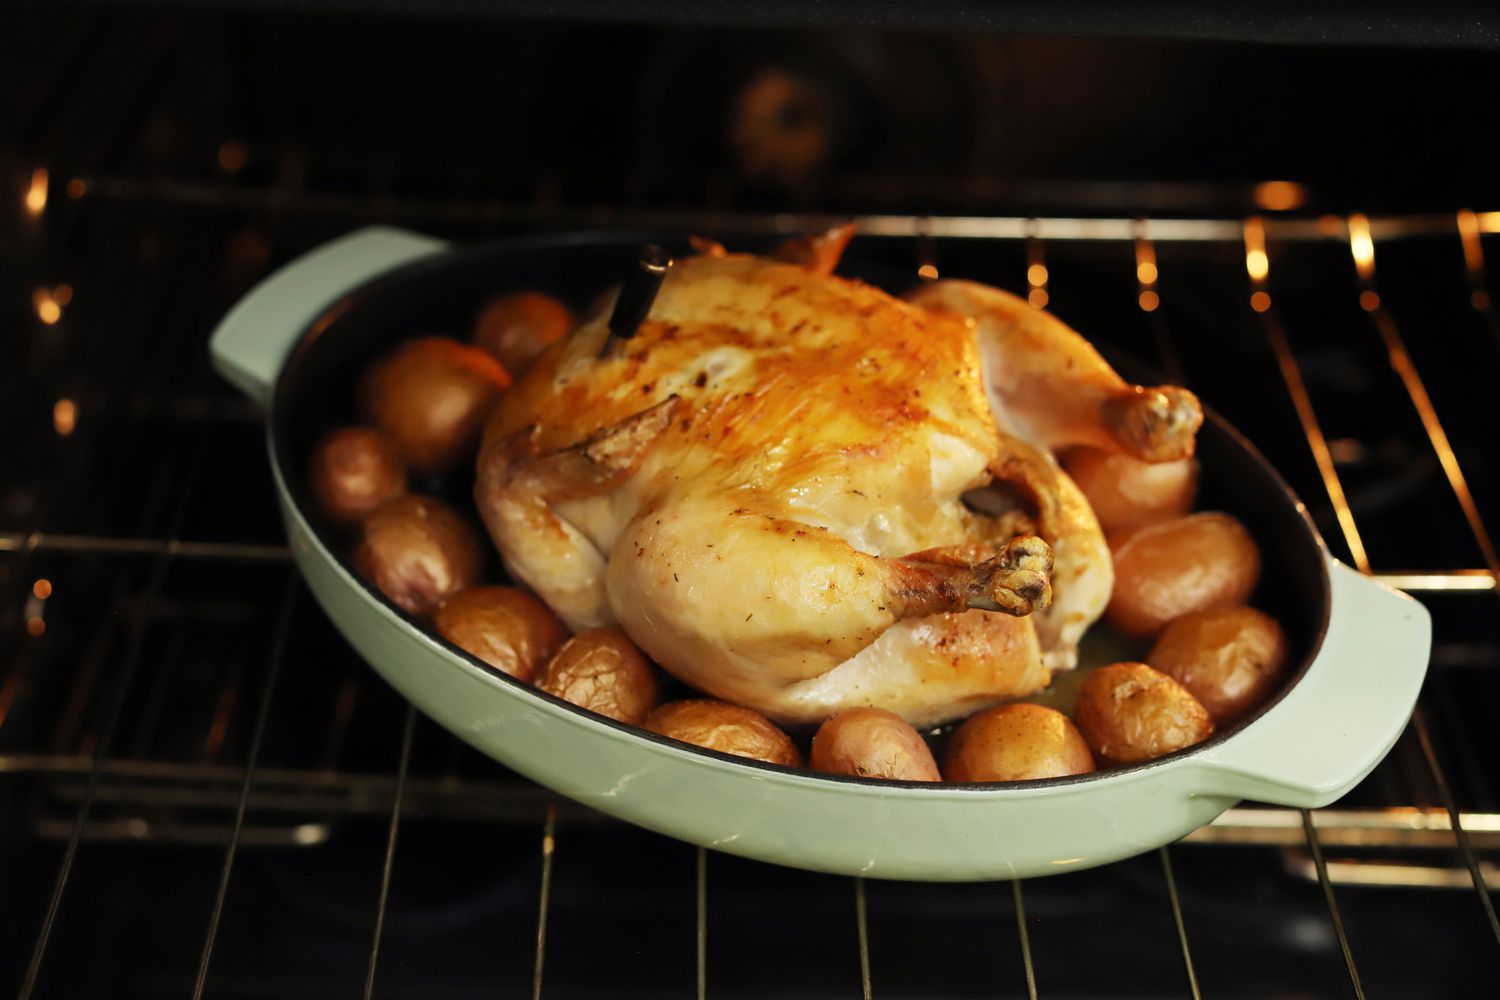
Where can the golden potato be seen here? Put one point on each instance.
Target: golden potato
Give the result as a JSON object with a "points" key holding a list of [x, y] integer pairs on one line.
{"points": [[1196, 563], [603, 671], [872, 743], [1230, 659], [1126, 493], [1129, 713], [418, 552], [505, 627], [431, 397], [727, 728], [515, 329], [354, 469], [1016, 742]]}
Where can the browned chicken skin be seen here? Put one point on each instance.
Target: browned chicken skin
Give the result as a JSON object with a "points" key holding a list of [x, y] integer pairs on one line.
{"points": [[764, 488]]}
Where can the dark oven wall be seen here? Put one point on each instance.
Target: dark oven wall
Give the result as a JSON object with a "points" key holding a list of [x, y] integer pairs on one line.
{"points": [[156, 163], [842, 119]]}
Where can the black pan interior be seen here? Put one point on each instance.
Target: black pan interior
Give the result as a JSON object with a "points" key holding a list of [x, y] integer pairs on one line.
{"points": [[316, 392]]}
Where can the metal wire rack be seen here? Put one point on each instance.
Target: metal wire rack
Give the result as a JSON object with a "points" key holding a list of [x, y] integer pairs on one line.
{"points": [[164, 681]]}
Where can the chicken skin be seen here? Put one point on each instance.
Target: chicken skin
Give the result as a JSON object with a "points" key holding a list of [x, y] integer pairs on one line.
{"points": [[791, 491]]}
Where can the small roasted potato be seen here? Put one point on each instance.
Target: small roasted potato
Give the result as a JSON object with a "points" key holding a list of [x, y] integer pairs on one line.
{"points": [[727, 728], [1230, 659], [603, 671], [515, 329], [1126, 493], [505, 627], [1016, 742], [872, 743], [431, 397], [1164, 571], [1129, 713], [354, 469], [418, 552]]}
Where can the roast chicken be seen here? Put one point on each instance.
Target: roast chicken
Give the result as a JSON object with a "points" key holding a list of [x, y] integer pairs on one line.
{"points": [[800, 494]]}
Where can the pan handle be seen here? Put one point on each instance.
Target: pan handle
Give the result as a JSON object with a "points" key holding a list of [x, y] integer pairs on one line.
{"points": [[1344, 715], [251, 342]]}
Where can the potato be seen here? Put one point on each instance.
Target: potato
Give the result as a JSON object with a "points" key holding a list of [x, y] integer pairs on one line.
{"points": [[1230, 659], [1016, 742], [1196, 563], [1129, 713], [505, 627], [727, 728], [1126, 493], [431, 397], [352, 470], [603, 671], [872, 743], [418, 552], [515, 329]]}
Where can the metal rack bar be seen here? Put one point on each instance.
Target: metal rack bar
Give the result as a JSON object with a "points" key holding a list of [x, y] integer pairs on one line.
{"points": [[99, 545], [1362, 245], [252, 757], [390, 848], [489, 212], [1182, 938], [137, 642], [1025, 936], [861, 920], [1419, 723], [549, 847], [701, 899], [1333, 905]]}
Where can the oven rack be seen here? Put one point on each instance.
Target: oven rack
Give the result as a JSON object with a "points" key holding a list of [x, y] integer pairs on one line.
{"points": [[95, 789]]}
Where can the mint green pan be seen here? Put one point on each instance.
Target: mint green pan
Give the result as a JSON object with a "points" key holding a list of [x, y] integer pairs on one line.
{"points": [[295, 344]]}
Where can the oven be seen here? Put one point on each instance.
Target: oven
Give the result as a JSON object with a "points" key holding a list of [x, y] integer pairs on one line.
{"points": [[205, 792]]}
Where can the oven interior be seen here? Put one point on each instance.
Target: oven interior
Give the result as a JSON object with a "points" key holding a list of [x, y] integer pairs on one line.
{"points": [[204, 792]]}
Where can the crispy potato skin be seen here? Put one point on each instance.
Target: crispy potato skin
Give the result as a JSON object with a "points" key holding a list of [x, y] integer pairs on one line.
{"points": [[505, 627], [515, 329], [603, 671], [1230, 659], [1126, 493], [1016, 742], [727, 728], [431, 397], [418, 552], [1129, 713], [1164, 571], [872, 743], [353, 470]]}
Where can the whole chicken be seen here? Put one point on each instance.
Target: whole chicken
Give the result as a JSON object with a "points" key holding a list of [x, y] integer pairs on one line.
{"points": [[799, 494]]}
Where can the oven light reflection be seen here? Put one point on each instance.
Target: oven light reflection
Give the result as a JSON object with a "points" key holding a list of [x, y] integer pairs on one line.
{"points": [[1256, 262], [1036, 272], [232, 157], [36, 195], [1361, 245], [77, 187], [47, 308], [64, 416], [1280, 196], [42, 589], [1468, 232], [928, 272], [35, 626]]}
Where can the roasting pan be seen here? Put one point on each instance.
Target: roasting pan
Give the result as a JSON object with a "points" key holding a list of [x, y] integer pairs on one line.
{"points": [[295, 345]]}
